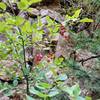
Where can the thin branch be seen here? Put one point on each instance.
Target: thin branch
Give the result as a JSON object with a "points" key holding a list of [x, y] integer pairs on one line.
{"points": [[11, 7], [96, 26], [92, 57], [25, 64]]}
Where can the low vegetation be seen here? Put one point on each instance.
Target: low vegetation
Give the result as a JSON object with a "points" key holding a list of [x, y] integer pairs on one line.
{"points": [[47, 54]]}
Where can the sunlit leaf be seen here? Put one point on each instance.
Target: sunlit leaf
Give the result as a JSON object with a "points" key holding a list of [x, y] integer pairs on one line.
{"points": [[58, 61], [4, 27], [49, 20], [15, 20], [68, 17], [2, 5], [77, 13], [37, 37], [76, 90], [75, 16], [34, 1], [88, 98], [27, 28], [45, 85], [86, 20], [23, 4], [19, 20], [68, 90], [53, 92]]}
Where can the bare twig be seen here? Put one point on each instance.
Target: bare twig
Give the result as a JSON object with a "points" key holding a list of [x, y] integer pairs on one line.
{"points": [[25, 63], [92, 57]]}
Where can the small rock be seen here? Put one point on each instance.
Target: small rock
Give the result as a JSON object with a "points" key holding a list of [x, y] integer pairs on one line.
{"points": [[24, 15], [44, 21], [4, 98], [52, 14], [33, 12], [44, 12]]}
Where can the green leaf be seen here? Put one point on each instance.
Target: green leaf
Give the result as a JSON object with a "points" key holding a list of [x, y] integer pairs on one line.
{"points": [[30, 10], [15, 20], [55, 30], [45, 85], [49, 20], [23, 4], [39, 22], [58, 61], [19, 20], [86, 20], [36, 92], [77, 13], [68, 90], [15, 82], [73, 91], [2, 6], [75, 16], [29, 97], [88, 98], [76, 90], [27, 28], [68, 17], [37, 37], [53, 92], [4, 27], [9, 93], [26, 71], [34, 1]]}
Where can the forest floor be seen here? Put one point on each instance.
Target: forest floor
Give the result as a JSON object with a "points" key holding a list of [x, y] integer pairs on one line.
{"points": [[73, 54]]}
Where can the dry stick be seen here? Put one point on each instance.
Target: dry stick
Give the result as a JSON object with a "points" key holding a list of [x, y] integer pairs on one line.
{"points": [[96, 26], [92, 57]]}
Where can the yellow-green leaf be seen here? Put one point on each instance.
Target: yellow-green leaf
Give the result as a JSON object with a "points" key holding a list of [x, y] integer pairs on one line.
{"points": [[68, 17], [3, 6], [77, 13], [23, 4], [86, 20], [88, 98], [34, 1]]}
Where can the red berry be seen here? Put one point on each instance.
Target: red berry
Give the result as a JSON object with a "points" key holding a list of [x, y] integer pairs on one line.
{"points": [[38, 58], [62, 30], [61, 33]]}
